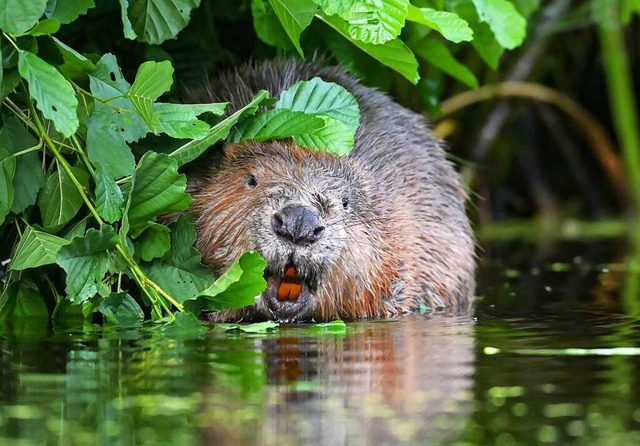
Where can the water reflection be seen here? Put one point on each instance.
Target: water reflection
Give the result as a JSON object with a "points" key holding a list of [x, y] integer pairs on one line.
{"points": [[381, 383]]}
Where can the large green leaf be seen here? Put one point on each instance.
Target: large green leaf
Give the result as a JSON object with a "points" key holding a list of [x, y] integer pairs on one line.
{"points": [[36, 248], [44, 28], [449, 24], [106, 144], [157, 188], [74, 65], [121, 309], [268, 26], [295, 16], [484, 41], [180, 272], [7, 172], [108, 196], [194, 149], [66, 11], [393, 53], [323, 98], [376, 21], [236, 288], [436, 53], [334, 137], [152, 81], [331, 7], [28, 179], [18, 16], [181, 120], [22, 299], [504, 20], [154, 242], [155, 21], [53, 94], [86, 261], [60, 200], [276, 124]]}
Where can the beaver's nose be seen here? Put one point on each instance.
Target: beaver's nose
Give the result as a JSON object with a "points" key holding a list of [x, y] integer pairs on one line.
{"points": [[301, 225]]}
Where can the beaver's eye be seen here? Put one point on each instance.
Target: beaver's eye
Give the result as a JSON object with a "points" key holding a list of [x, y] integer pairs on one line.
{"points": [[252, 181], [345, 202]]}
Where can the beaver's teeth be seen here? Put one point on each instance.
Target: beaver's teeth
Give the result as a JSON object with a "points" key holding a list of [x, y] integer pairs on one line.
{"points": [[291, 273], [294, 292], [289, 291]]}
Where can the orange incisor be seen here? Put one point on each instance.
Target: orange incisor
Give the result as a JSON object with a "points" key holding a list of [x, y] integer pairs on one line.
{"points": [[290, 286]]}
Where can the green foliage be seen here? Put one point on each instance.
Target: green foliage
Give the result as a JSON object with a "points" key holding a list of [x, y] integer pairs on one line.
{"points": [[90, 163]]}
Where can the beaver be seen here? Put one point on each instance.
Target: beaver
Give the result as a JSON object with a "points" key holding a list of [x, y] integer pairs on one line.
{"points": [[373, 234]]}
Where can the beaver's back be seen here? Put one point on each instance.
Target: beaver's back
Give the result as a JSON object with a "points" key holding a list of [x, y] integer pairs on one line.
{"points": [[416, 190]]}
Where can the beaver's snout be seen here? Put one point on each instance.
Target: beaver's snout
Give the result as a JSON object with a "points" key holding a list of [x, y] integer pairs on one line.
{"points": [[298, 224]]}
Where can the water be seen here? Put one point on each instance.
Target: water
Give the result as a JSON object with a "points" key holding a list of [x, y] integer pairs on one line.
{"points": [[549, 357]]}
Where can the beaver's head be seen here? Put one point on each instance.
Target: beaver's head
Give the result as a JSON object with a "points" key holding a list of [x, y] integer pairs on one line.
{"points": [[310, 216]]}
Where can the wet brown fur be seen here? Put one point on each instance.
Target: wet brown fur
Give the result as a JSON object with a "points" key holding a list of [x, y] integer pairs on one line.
{"points": [[405, 242]]}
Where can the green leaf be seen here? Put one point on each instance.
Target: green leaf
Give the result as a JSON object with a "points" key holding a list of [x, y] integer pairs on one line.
{"points": [[629, 7], [60, 200], [331, 7], [18, 16], [158, 188], [36, 248], [66, 11], [107, 81], [449, 24], [180, 120], [28, 178], [437, 54], [121, 309], [180, 272], [53, 94], [86, 261], [334, 137], [333, 327], [376, 21], [154, 242], [45, 27], [155, 21], [268, 26], [295, 16], [109, 199], [129, 33], [504, 20], [528, 7], [236, 288], [7, 172], [393, 53], [194, 149], [184, 326], [22, 299], [106, 143], [256, 328], [484, 41], [323, 98], [75, 65], [152, 80], [276, 124]]}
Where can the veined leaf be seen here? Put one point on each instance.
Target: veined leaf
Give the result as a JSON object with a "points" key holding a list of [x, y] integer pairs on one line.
{"points": [[86, 261], [295, 16], [180, 120], [109, 198], [323, 98], [218, 132], [437, 54], [331, 7], [75, 64], [36, 248], [236, 288], [22, 299], [157, 188], [60, 200], [334, 137], [393, 53], [449, 24], [180, 272], [276, 124], [497, 14], [18, 16], [152, 80], [376, 21], [155, 21], [154, 242], [51, 91]]}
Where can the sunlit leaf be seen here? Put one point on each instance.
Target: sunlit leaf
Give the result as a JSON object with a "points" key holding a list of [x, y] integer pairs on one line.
{"points": [[449, 24], [504, 20], [109, 199], [53, 94], [152, 81], [295, 16], [376, 21], [45, 27], [36, 248], [66, 11]]}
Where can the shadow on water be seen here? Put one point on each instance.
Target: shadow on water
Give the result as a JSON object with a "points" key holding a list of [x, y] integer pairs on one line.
{"points": [[550, 357]]}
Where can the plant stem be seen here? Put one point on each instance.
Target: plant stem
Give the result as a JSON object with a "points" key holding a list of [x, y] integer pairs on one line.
{"points": [[622, 97]]}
